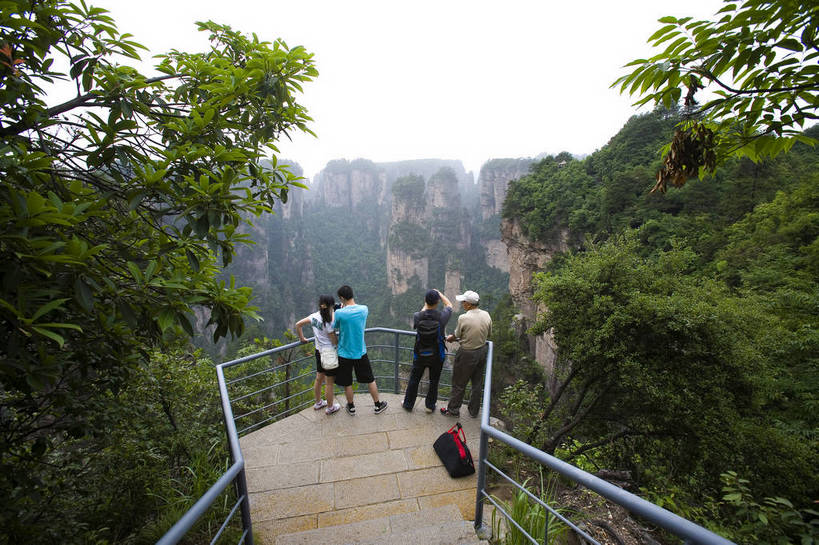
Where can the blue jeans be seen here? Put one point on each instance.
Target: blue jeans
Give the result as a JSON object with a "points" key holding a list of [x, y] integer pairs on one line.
{"points": [[417, 372]]}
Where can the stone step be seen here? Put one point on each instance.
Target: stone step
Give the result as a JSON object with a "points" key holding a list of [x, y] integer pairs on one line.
{"points": [[444, 533], [440, 525]]}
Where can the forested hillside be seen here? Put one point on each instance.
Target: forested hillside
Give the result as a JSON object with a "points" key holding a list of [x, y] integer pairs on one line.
{"points": [[687, 325]]}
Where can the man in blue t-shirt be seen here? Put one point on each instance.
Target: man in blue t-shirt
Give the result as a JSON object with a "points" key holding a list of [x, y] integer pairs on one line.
{"points": [[350, 320]]}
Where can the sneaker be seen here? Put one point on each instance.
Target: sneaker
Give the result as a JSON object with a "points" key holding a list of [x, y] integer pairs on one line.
{"points": [[380, 407], [474, 415], [334, 409], [320, 404], [428, 410], [408, 409], [447, 412], [351, 409]]}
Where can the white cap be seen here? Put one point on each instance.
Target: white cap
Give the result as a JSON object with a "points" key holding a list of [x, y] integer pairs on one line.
{"points": [[469, 296]]}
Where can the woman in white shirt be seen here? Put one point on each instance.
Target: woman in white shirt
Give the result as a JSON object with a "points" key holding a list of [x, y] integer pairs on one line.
{"points": [[325, 341]]}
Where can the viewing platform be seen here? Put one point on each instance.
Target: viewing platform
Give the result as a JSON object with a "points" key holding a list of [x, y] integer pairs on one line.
{"points": [[301, 476], [368, 478]]}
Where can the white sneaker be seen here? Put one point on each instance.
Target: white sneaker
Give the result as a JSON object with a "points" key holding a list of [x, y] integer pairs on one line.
{"points": [[334, 409], [320, 404]]}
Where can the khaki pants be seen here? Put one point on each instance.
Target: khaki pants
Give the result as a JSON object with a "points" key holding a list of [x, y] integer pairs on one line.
{"points": [[468, 366]]}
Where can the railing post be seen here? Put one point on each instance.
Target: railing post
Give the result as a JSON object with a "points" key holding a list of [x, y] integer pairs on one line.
{"points": [[235, 453], [241, 490], [484, 442], [396, 388]]}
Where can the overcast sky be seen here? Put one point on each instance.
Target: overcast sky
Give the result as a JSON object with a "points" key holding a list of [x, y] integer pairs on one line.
{"points": [[468, 80]]}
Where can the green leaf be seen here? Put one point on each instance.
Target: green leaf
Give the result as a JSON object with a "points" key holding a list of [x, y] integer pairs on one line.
{"points": [[149, 271], [185, 323], [166, 319], [136, 199], [48, 307], [662, 31], [791, 44], [193, 260], [83, 294], [59, 339], [128, 314], [135, 272], [61, 326]]}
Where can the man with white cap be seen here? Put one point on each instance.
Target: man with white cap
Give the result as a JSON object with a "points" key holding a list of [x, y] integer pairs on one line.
{"points": [[474, 327]]}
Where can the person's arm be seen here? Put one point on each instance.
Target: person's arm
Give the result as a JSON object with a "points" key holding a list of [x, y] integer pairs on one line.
{"points": [[445, 300], [454, 337], [333, 337], [301, 323]]}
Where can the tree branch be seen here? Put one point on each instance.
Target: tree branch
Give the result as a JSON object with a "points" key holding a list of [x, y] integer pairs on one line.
{"points": [[708, 74], [553, 441], [548, 411], [82, 100]]}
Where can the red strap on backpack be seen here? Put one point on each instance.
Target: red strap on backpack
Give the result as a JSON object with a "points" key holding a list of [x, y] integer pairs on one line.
{"points": [[459, 437]]}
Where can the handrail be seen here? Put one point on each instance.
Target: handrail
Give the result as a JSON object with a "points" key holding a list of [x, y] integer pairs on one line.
{"points": [[236, 472], [675, 524]]}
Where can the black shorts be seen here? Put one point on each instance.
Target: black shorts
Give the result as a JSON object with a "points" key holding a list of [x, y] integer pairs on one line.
{"points": [[320, 369], [363, 371]]}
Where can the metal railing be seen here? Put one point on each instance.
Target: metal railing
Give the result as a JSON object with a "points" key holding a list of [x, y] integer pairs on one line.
{"points": [[278, 388], [274, 390], [689, 531]]}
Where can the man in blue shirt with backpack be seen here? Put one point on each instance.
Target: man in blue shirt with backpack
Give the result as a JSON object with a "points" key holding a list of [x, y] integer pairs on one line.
{"points": [[430, 350]]}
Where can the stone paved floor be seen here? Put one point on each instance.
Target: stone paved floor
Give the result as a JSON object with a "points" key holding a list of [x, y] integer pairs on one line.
{"points": [[311, 470]]}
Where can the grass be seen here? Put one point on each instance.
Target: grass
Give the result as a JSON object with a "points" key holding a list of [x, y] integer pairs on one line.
{"points": [[535, 519]]}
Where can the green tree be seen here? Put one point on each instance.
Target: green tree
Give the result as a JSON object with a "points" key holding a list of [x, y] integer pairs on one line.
{"points": [[758, 61], [115, 207], [668, 364], [551, 198]]}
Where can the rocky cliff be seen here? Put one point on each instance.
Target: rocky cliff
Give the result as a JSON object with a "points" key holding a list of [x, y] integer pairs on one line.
{"points": [[344, 184], [392, 230], [525, 258], [494, 181], [409, 241], [429, 233], [450, 231]]}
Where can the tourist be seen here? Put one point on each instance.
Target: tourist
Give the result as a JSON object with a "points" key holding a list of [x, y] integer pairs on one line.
{"points": [[350, 322], [429, 350], [325, 341], [473, 329]]}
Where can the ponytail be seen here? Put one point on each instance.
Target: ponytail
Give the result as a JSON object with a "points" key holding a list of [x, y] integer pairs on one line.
{"points": [[326, 303]]}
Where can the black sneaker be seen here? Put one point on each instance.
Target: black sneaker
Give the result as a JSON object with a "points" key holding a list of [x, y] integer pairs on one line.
{"points": [[380, 407], [351, 409]]}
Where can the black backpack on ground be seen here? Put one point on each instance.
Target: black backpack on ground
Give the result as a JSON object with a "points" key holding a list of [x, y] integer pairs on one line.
{"points": [[428, 333]]}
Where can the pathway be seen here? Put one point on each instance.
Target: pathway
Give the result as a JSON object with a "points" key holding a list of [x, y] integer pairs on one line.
{"points": [[370, 478]]}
